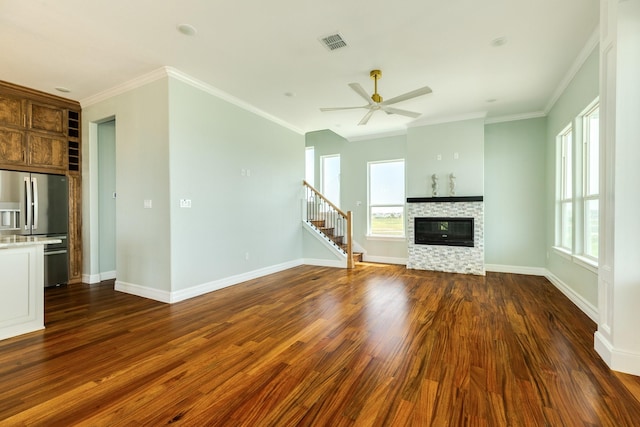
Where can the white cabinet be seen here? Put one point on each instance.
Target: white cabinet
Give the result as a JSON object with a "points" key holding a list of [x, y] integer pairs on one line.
{"points": [[21, 290]]}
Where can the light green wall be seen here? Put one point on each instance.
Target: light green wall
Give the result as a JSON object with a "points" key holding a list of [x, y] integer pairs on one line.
{"points": [[582, 90], [211, 142], [515, 198], [174, 142], [106, 202], [426, 143], [142, 173]]}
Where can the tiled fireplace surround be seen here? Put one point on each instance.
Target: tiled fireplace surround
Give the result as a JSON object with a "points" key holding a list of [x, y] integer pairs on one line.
{"points": [[451, 259]]}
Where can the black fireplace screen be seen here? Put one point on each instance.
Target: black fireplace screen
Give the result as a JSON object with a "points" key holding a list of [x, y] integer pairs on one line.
{"points": [[444, 231]]}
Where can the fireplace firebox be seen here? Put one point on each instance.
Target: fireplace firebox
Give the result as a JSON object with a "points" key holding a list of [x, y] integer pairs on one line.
{"points": [[444, 231]]}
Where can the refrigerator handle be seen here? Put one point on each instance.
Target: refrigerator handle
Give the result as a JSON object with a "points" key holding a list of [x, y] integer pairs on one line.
{"points": [[34, 183], [27, 194]]}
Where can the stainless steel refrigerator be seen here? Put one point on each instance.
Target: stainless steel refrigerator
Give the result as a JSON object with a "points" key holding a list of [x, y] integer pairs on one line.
{"points": [[38, 204]]}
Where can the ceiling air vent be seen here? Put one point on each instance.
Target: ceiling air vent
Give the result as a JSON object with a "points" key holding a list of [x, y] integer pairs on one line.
{"points": [[333, 42]]}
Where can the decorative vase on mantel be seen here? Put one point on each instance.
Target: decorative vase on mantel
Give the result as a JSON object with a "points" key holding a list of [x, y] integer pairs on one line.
{"points": [[434, 185], [452, 184]]}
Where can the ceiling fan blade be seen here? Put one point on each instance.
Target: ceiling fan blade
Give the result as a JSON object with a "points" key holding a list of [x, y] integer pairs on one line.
{"points": [[342, 108], [366, 118], [391, 110], [414, 93], [360, 91]]}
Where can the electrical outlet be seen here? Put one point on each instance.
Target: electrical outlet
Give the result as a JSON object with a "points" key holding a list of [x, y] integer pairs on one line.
{"points": [[456, 156], [246, 256], [148, 204], [439, 157]]}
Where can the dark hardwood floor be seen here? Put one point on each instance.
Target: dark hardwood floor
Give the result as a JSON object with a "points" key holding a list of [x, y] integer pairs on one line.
{"points": [[377, 345]]}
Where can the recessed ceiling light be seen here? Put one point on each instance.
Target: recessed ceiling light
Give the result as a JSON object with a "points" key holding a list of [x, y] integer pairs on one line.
{"points": [[500, 41], [62, 89], [187, 30]]}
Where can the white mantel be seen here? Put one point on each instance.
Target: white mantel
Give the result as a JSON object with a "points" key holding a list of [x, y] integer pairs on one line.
{"points": [[451, 259]]}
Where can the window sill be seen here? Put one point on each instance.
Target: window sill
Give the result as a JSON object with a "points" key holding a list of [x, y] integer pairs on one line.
{"points": [[582, 261], [563, 252], [587, 263], [386, 238]]}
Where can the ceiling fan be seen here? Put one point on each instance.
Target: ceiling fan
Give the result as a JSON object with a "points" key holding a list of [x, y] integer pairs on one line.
{"points": [[376, 103]]}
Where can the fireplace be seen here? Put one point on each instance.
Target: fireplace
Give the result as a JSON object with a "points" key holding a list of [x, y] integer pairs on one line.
{"points": [[445, 231], [446, 234]]}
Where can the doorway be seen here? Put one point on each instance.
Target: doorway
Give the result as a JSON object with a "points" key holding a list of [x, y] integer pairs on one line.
{"points": [[107, 199]]}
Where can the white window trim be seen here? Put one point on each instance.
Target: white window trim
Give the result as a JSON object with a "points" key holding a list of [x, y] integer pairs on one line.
{"points": [[576, 254], [585, 196], [384, 237], [561, 198]]}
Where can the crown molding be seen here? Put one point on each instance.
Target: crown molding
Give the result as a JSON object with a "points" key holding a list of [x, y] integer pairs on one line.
{"points": [[514, 117], [211, 90], [140, 81], [166, 72], [448, 119], [588, 48], [397, 132]]}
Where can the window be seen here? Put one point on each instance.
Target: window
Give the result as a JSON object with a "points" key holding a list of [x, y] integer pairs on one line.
{"points": [[591, 180], [565, 190], [578, 188], [330, 178], [386, 199]]}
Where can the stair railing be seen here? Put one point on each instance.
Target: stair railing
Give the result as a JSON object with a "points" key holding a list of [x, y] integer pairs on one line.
{"points": [[330, 220]]}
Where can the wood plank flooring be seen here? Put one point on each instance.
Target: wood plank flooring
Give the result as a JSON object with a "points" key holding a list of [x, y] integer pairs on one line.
{"points": [[374, 346]]}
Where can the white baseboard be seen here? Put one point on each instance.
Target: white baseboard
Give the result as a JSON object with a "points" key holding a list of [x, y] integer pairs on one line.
{"points": [[143, 291], [584, 305], [617, 360], [108, 275], [92, 279], [215, 285], [325, 262], [384, 259], [516, 269], [194, 291]]}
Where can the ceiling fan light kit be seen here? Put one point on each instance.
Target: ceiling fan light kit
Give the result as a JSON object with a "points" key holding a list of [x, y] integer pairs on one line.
{"points": [[375, 102]]}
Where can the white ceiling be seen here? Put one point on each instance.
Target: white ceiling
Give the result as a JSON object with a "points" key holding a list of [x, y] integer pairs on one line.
{"points": [[258, 51]]}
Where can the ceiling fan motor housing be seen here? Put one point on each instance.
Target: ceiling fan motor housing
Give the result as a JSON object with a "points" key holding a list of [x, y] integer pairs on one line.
{"points": [[375, 75]]}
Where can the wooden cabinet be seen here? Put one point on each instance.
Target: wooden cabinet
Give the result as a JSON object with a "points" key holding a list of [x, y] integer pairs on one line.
{"points": [[75, 228], [11, 111], [41, 133], [13, 147], [45, 118], [47, 152]]}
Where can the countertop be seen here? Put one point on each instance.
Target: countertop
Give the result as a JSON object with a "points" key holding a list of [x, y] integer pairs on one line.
{"points": [[15, 241]]}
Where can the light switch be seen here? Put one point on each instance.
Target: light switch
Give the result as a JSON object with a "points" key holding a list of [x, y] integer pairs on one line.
{"points": [[148, 204], [439, 157], [185, 203]]}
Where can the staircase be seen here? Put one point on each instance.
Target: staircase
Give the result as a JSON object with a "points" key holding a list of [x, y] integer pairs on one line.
{"points": [[334, 224]]}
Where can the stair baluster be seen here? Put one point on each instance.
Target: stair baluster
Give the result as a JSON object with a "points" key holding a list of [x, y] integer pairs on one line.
{"points": [[332, 222]]}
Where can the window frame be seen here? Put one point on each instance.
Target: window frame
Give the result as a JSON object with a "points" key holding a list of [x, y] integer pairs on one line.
{"points": [[402, 205], [588, 196], [573, 173], [565, 184]]}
